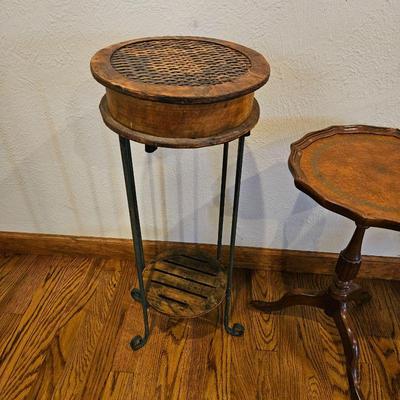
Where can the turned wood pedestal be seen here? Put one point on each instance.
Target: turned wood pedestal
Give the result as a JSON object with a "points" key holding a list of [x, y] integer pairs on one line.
{"points": [[354, 171]]}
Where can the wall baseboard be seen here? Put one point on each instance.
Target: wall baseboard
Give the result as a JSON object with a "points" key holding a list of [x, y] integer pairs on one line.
{"points": [[246, 257]]}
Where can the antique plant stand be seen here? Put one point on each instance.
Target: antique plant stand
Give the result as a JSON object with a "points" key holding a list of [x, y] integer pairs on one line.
{"points": [[353, 171], [181, 92]]}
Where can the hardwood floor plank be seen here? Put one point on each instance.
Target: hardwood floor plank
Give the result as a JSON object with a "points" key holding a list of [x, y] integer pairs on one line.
{"points": [[372, 386], [119, 386], [314, 339], [380, 351], [386, 366], [73, 380], [8, 324], [217, 380], [72, 340], [57, 354], [285, 326], [314, 368], [25, 351], [268, 373], [19, 297], [12, 271], [65, 344], [266, 286], [180, 367], [125, 359], [170, 367], [289, 348], [202, 335], [306, 341], [377, 327], [166, 369], [243, 380], [375, 316], [101, 363], [5, 260], [332, 355]]}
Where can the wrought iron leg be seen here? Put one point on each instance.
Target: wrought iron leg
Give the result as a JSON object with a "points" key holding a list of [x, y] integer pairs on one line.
{"points": [[139, 294], [237, 329], [222, 200]]}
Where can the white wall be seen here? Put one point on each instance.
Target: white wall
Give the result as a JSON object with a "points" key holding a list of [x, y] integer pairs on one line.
{"points": [[333, 62]]}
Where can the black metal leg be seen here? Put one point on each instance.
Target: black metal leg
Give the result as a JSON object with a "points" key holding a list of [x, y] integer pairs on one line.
{"points": [[222, 199], [139, 294], [237, 329]]}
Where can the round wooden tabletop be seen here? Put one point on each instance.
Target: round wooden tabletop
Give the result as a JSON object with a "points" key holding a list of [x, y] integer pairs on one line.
{"points": [[353, 171], [180, 69], [180, 91]]}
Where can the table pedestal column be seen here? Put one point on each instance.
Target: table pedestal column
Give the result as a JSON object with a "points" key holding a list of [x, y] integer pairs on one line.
{"points": [[335, 301]]}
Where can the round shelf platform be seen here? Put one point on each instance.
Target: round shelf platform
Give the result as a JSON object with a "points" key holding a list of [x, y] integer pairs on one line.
{"points": [[184, 284], [180, 142]]}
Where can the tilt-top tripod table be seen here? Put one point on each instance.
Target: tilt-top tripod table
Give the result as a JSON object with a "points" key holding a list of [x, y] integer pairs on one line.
{"points": [[181, 92], [353, 171]]}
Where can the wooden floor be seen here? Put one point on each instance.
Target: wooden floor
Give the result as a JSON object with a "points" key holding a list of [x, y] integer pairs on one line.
{"points": [[65, 324]]}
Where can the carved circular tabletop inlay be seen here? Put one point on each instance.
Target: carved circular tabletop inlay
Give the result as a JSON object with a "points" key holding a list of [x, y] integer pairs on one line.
{"points": [[180, 69], [352, 170]]}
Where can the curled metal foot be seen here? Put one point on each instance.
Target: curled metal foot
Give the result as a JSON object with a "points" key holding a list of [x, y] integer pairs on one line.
{"points": [[138, 342], [136, 295], [236, 330]]}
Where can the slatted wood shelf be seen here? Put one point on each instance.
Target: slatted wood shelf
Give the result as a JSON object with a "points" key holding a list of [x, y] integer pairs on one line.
{"points": [[184, 283]]}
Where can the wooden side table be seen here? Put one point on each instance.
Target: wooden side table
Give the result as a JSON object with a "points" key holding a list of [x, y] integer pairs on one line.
{"points": [[181, 92], [353, 171]]}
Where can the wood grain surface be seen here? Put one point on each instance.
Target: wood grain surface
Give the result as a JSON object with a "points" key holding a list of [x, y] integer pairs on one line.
{"points": [[351, 170], [185, 284], [12, 243], [69, 339], [180, 139], [255, 77], [179, 121], [179, 91]]}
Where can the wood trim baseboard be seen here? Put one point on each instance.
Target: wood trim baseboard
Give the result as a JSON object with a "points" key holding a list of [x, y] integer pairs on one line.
{"points": [[246, 257]]}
